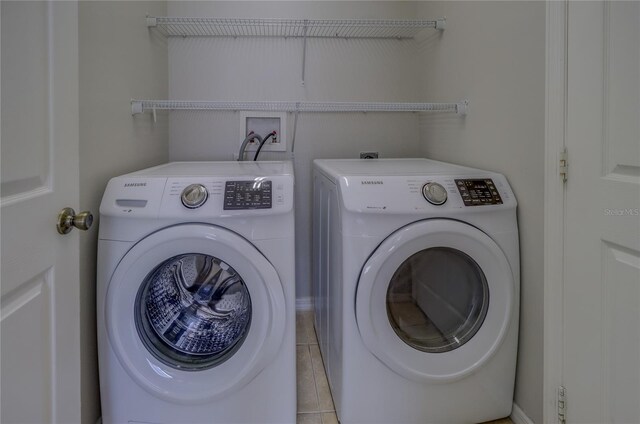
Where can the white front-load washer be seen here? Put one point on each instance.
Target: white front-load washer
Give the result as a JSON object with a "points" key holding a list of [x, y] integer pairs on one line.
{"points": [[196, 294], [416, 290]]}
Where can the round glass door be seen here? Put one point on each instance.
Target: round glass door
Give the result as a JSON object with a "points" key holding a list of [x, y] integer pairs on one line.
{"points": [[437, 299], [193, 311]]}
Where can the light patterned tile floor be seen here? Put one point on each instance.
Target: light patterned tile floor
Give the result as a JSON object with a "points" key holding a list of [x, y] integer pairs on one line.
{"points": [[315, 404]]}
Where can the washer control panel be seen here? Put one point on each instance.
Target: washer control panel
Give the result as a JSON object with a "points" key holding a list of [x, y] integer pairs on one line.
{"points": [[477, 192], [201, 191], [236, 196], [252, 194]]}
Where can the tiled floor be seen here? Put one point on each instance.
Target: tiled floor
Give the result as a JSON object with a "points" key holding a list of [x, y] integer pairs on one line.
{"points": [[315, 405]]}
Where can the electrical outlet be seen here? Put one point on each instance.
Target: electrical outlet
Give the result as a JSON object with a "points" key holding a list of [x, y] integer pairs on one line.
{"points": [[368, 155], [263, 123]]}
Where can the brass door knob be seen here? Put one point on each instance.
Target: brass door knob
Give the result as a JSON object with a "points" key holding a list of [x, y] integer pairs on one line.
{"points": [[67, 219]]}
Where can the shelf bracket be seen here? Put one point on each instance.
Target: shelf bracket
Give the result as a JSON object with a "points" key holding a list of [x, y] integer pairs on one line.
{"points": [[295, 126], [136, 107], [441, 23], [151, 21], [462, 108], [304, 47]]}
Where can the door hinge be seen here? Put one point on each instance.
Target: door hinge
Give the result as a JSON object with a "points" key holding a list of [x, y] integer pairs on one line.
{"points": [[562, 405], [564, 164]]}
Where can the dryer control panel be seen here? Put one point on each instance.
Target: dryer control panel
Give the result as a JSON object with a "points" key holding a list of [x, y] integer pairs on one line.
{"points": [[477, 192], [416, 193]]}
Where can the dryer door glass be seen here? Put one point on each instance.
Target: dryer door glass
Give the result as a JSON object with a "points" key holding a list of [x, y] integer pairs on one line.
{"points": [[437, 299], [193, 311]]}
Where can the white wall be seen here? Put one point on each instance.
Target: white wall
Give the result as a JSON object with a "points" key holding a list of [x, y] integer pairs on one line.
{"points": [[119, 59], [493, 53], [256, 69]]}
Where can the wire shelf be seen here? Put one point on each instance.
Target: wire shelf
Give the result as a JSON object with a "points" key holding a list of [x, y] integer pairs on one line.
{"points": [[140, 106], [308, 28]]}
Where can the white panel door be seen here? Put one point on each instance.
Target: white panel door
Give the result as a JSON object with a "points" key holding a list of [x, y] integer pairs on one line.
{"points": [[601, 363], [40, 353]]}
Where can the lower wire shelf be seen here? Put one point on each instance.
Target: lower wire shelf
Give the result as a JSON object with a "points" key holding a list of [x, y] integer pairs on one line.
{"points": [[140, 106]]}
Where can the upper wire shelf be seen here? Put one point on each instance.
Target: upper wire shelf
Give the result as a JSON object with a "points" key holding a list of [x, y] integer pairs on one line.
{"points": [[307, 28]]}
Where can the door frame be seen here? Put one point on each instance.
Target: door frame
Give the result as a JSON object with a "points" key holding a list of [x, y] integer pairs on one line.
{"points": [[554, 203]]}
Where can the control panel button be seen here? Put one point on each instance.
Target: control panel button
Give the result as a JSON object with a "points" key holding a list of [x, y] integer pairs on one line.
{"points": [[435, 193], [194, 196]]}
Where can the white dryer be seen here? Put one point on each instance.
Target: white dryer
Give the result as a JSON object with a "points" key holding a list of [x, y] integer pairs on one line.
{"points": [[416, 286], [196, 294]]}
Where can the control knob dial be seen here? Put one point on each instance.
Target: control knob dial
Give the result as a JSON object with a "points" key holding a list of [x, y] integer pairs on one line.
{"points": [[435, 193], [194, 196]]}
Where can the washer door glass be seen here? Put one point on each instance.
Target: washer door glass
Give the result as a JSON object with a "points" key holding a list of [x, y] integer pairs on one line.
{"points": [[193, 311], [437, 299]]}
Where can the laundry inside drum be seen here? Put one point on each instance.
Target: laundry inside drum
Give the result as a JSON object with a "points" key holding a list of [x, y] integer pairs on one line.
{"points": [[193, 311]]}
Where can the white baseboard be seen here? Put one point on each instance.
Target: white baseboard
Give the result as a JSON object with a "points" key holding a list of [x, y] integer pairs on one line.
{"points": [[518, 416], [304, 304]]}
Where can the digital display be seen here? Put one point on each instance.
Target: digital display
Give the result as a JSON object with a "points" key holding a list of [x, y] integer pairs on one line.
{"points": [[478, 192], [247, 195]]}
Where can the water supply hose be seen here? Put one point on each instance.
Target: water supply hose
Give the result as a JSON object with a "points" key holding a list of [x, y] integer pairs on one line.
{"points": [[243, 146]]}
